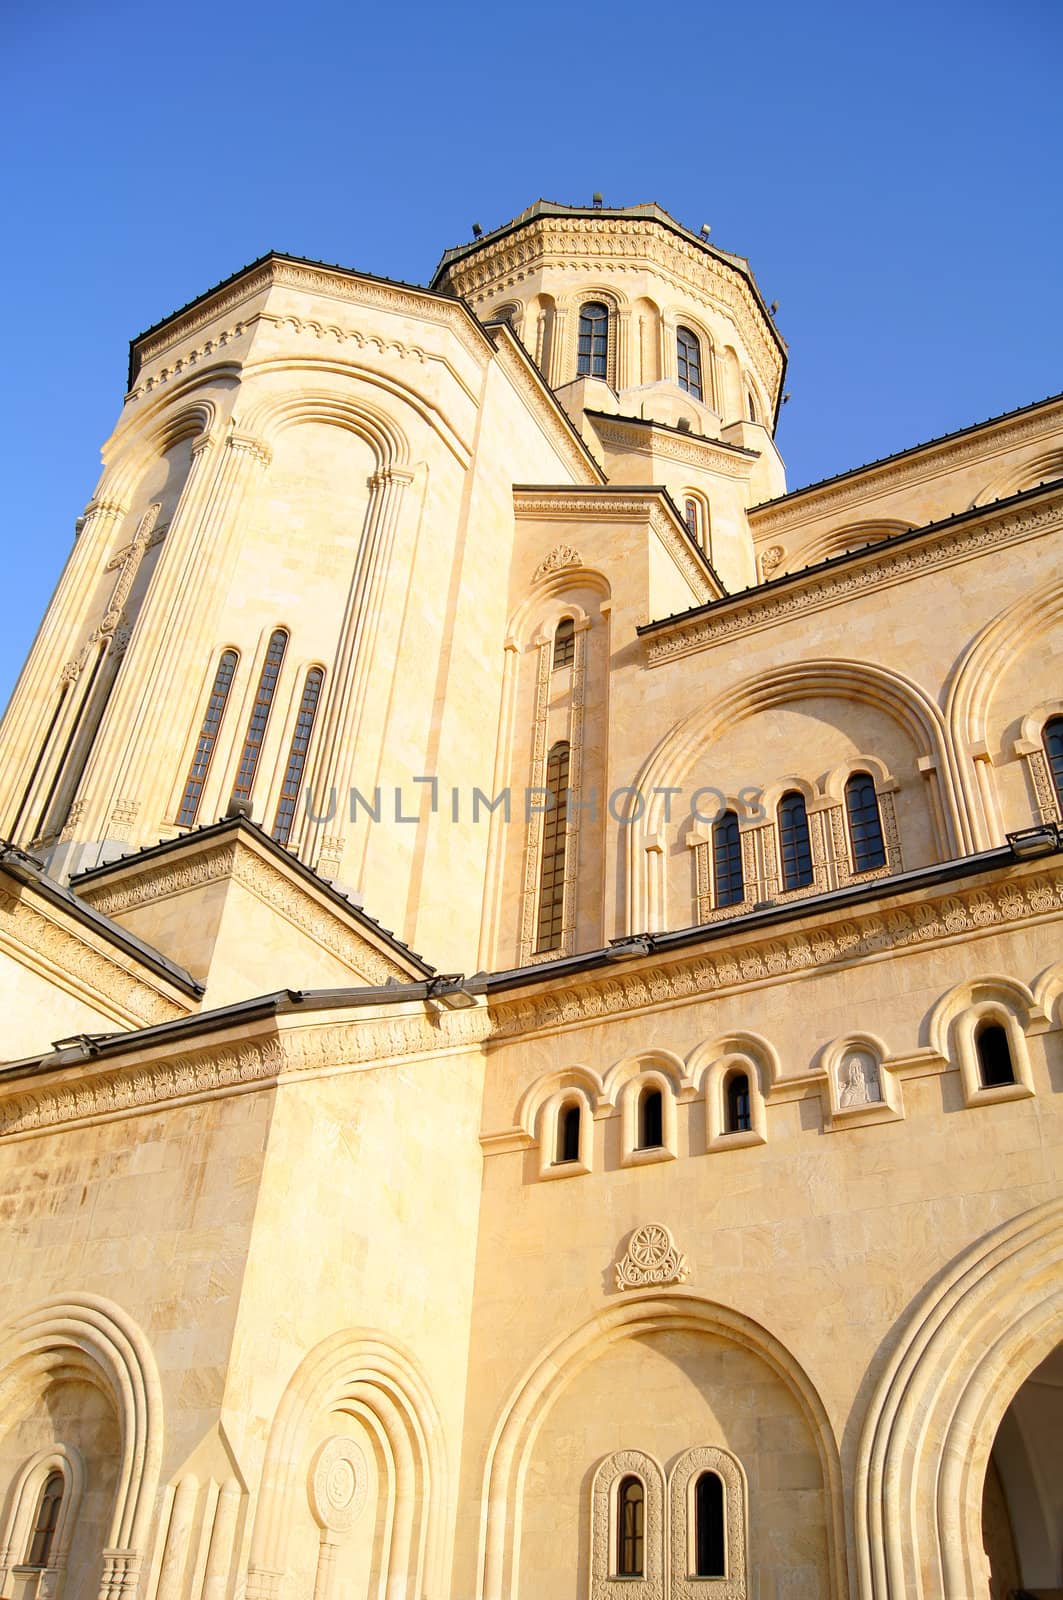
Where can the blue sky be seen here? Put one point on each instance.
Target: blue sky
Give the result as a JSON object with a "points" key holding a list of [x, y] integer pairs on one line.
{"points": [[892, 173]]}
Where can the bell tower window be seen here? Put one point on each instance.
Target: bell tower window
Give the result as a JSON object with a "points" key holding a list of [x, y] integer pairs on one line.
{"points": [[593, 350], [688, 359]]}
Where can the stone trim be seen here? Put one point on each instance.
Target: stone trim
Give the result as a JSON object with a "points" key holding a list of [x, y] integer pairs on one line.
{"points": [[704, 453], [605, 505], [878, 568]]}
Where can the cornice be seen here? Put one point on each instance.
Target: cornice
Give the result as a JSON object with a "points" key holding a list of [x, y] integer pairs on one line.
{"points": [[704, 453], [71, 959], [837, 941], [240, 862], [313, 279], [878, 567], [98, 1091], [864, 484]]}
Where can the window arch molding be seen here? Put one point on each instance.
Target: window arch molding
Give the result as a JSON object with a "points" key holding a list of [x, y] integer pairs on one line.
{"points": [[872, 1093], [717, 1061], [1030, 747], [592, 294], [700, 527], [682, 1525], [66, 1460], [956, 1019], [605, 1486], [839, 838], [628, 1081], [549, 1133]]}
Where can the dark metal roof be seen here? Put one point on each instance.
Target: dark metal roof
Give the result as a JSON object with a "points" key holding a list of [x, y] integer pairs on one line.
{"points": [[898, 455], [27, 870], [873, 547], [239, 824]]}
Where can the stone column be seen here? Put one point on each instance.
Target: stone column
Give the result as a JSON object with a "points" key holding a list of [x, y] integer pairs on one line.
{"points": [[220, 1554]]}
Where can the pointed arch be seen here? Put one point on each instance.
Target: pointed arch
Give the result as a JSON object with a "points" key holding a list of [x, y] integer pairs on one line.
{"points": [[975, 1335], [528, 1404], [363, 1366], [676, 754], [96, 1335]]}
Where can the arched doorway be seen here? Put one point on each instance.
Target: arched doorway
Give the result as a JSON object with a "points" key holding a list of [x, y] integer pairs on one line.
{"points": [[1022, 1499]]}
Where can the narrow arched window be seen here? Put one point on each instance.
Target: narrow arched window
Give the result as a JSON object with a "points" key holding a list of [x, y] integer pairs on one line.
{"points": [[568, 1134], [552, 868], [751, 405], [293, 772], [865, 823], [688, 357], [630, 1528], [593, 351], [1052, 735], [736, 1094], [208, 738], [256, 725], [994, 1055], [710, 1550], [651, 1119], [46, 1521], [728, 887], [795, 848], [692, 518], [565, 643]]}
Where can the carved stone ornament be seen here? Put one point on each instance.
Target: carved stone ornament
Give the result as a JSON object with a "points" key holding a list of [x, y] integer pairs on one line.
{"points": [[560, 557], [339, 1484], [651, 1257]]}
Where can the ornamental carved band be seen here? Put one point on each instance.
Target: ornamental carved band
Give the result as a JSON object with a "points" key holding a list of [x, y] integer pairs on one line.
{"points": [[651, 1257]]}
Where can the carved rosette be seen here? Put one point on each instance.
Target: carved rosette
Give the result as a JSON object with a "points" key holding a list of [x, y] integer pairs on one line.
{"points": [[560, 558], [651, 1258], [339, 1484]]}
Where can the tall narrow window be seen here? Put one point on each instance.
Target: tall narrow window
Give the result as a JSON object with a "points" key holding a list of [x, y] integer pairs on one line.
{"points": [[751, 405], [1053, 741], [552, 870], [710, 1554], [208, 738], [593, 352], [795, 848], [692, 520], [736, 1092], [728, 888], [293, 773], [568, 1134], [256, 726], [630, 1528], [565, 643], [865, 824], [994, 1055], [651, 1119], [46, 1521], [688, 355]]}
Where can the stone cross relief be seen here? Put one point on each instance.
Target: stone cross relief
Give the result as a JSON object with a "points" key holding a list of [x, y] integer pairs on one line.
{"points": [[126, 563]]}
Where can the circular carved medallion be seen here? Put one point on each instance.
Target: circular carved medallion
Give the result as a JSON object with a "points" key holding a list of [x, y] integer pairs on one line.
{"points": [[339, 1484]]}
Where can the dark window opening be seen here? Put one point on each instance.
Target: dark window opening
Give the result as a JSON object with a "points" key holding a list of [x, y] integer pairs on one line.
{"points": [[293, 773], [1053, 741], [631, 1521], [593, 350], [568, 1134], [46, 1522], [552, 869], [739, 1114], [710, 1556], [256, 726], [688, 353], [795, 847], [865, 823], [651, 1119], [728, 886], [994, 1055], [208, 738], [565, 643]]}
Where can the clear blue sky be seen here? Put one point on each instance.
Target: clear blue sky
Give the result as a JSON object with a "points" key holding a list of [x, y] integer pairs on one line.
{"points": [[892, 173]]}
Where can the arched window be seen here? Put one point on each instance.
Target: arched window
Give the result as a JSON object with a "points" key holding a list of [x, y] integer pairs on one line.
{"points": [[692, 520], [736, 1093], [46, 1521], [1053, 742], [293, 772], [795, 848], [208, 738], [256, 725], [710, 1554], [630, 1528], [593, 351], [552, 869], [865, 824], [688, 355], [565, 643], [995, 1065], [651, 1119], [728, 887], [751, 406], [568, 1133]]}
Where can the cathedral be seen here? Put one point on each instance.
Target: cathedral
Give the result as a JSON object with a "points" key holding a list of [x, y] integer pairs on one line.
{"points": [[534, 992]]}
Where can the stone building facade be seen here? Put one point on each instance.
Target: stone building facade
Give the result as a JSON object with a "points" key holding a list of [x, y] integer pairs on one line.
{"points": [[669, 1207]]}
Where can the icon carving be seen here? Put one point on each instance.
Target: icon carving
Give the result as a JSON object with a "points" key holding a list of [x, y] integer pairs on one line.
{"points": [[651, 1257]]}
